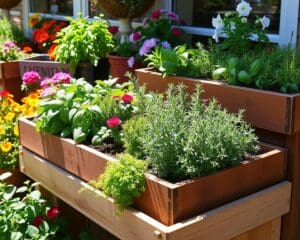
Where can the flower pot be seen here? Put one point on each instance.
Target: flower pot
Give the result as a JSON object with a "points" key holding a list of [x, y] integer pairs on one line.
{"points": [[10, 79], [17, 178], [276, 117], [43, 65], [119, 66], [163, 200]]}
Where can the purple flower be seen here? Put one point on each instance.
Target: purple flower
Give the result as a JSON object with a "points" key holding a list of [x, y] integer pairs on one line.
{"points": [[61, 77], [173, 16], [46, 83], [31, 77], [166, 45], [130, 62], [9, 44], [47, 92], [5, 50], [147, 46]]}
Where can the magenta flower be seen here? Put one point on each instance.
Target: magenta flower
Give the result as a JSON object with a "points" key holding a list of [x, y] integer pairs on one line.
{"points": [[176, 32], [31, 77], [37, 221], [127, 98], [147, 46], [134, 37], [130, 62], [113, 29], [113, 122], [61, 77], [156, 14]]}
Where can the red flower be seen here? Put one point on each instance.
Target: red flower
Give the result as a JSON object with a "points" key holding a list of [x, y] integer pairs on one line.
{"points": [[5, 93], [134, 37], [127, 98], [113, 29], [40, 36], [156, 14], [113, 122], [176, 32], [37, 221], [53, 212]]}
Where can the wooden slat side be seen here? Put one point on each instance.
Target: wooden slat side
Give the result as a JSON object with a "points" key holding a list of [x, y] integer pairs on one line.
{"points": [[130, 225], [296, 116], [236, 218]]}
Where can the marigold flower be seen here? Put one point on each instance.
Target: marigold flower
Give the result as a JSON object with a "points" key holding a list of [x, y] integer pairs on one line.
{"points": [[2, 130], [9, 116], [6, 146]]}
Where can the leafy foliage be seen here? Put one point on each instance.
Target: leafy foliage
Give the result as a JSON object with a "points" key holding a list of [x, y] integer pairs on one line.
{"points": [[10, 32], [187, 139], [123, 180], [83, 41]]}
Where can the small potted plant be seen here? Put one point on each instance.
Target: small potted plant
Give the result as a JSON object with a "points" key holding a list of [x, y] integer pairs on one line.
{"points": [[84, 44], [161, 29]]}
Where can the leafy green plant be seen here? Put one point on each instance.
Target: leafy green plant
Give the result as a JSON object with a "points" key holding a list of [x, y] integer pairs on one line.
{"points": [[181, 61], [25, 215], [186, 139], [133, 131], [274, 69], [123, 180], [83, 41], [10, 32]]}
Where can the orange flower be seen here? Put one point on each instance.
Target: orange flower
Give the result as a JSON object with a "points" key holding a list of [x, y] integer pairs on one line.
{"points": [[27, 49], [51, 51], [40, 36]]}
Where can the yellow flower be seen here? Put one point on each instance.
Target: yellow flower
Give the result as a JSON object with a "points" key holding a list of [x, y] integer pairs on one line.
{"points": [[16, 107], [16, 130], [6, 146], [2, 130], [9, 116]]}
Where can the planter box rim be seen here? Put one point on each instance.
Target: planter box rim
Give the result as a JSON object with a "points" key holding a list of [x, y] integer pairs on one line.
{"points": [[215, 82]]}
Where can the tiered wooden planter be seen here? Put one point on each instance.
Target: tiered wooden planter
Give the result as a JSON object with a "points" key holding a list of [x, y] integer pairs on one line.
{"points": [[167, 202], [10, 79], [256, 216], [276, 117]]}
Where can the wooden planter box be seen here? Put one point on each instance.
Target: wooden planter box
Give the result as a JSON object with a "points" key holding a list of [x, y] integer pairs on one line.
{"points": [[43, 65], [167, 202], [263, 109], [10, 79], [255, 217]]}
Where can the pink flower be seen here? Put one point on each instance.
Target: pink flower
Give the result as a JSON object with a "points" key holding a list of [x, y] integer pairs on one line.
{"points": [[31, 77], [53, 212], [46, 83], [127, 98], [9, 44], [134, 37], [37, 221], [48, 91], [130, 62], [61, 77], [113, 122], [147, 46], [113, 29], [176, 32], [156, 14]]}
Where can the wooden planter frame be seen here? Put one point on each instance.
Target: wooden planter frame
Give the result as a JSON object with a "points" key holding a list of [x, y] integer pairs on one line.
{"points": [[163, 200], [257, 215]]}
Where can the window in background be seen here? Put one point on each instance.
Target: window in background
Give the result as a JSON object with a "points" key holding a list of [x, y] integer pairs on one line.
{"points": [[56, 7]]}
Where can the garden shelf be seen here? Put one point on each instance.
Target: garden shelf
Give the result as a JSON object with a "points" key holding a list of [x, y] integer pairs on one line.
{"points": [[166, 202]]}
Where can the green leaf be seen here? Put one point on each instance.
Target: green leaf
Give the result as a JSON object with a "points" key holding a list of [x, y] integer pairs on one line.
{"points": [[79, 135], [4, 176], [45, 227], [22, 189], [9, 192], [32, 231], [218, 73], [244, 77], [66, 132], [35, 195]]}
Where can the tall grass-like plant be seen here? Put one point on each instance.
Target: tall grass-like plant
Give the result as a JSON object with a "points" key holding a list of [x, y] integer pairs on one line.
{"points": [[186, 138]]}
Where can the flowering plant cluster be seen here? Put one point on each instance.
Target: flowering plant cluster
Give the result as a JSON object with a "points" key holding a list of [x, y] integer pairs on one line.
{"points": [[44, 32], [162, 28], [87, 114], [28, 216], [9, 134], [10, 51], [239, 30]]}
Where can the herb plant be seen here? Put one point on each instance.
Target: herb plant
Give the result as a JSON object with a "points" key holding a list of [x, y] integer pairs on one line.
{"points": [[10, 32], [83, 41], [186, 139], [123, 180]]}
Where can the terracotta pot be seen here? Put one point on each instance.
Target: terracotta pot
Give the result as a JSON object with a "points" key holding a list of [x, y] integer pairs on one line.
{"points": [[119, 66], [10, 79], [167, 202], [263, 109], [17, 178]]}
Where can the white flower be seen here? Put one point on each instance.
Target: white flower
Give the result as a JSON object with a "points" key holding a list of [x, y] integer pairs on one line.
{"points": [[218, 22], [244, 20], [243, 9], [265, 22], [130, 62]]}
